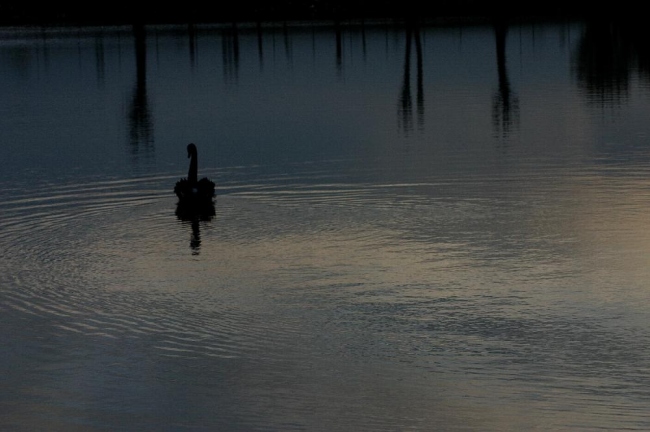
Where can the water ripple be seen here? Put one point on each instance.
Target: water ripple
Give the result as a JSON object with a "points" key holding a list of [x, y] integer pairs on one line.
{"points": [[80, 257]]}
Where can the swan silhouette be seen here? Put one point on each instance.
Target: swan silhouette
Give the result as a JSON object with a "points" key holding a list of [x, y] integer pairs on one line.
{"points": [[191, 190]]}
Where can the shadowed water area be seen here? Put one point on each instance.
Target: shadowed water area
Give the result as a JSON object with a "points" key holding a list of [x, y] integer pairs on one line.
{"points": [[427, 228]]}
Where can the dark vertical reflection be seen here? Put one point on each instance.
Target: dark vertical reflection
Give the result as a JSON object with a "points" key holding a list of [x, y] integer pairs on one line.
{"points": [[100, 61], [46, 50], [505, 105], [339, 47], [608, 54], [260, 45], [140, 122], [363, 40], [230, 52], [405, 115], [288, 48], [191, 32], [420, 78]]}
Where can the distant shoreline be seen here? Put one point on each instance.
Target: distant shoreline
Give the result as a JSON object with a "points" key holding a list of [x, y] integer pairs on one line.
{"points": [[294, 12], [297, 23], [289, 12]]}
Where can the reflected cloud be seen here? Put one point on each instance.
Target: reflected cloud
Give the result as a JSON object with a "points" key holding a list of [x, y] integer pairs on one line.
{"points": [[405, 114], [505, 104]]}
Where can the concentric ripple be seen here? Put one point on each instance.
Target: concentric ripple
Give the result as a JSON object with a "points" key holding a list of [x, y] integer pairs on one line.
{"points": [[109, 259]]}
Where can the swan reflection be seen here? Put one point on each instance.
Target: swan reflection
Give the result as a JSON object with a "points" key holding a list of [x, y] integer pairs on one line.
{"points": [[195, 214]]}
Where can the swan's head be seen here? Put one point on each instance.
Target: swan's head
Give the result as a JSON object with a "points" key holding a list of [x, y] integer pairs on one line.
{"points": [[191, 150]]}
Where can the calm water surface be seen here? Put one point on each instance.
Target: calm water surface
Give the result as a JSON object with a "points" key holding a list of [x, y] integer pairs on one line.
{"points": [[443, 229]]}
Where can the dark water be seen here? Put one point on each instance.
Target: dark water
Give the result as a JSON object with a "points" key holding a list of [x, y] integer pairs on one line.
{"points": [[437, 229]]}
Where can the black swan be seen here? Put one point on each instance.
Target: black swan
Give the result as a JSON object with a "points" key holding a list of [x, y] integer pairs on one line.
{"points": [[191, 190]]}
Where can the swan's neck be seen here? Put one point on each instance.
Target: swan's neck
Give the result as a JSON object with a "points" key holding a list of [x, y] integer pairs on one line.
{"points": [[192, 175]]}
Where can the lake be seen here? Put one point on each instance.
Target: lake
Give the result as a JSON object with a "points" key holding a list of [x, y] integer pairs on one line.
{"points": [[434, 228]]}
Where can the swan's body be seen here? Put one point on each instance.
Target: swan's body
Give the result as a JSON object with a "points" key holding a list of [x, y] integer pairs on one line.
{"points": [[190, 190]]}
